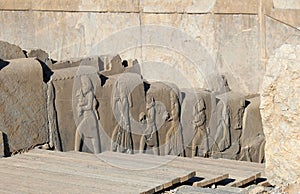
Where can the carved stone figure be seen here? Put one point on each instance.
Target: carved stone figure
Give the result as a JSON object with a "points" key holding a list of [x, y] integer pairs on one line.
{"points": [[199, 141], [121, 138], [222, 136], [252, 139], [150, 136], [239, 115], [174, 144], [88, 127]]}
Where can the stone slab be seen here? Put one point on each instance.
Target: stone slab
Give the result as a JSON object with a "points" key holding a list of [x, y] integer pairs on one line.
{"points": [[10, 51], [282, 4], [23, 115], [71, 5]]}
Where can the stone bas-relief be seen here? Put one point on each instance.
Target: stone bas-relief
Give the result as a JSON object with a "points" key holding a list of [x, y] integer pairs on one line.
{"points": [[86, 108], [149, 138], [174, 140], [122, 112], [102, 104], [199, 141], [241, 37], [121, 139]]}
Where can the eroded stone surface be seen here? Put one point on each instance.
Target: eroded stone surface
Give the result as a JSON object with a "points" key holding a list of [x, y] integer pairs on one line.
{"points": [[23, 104], [280, 113], [281, 4], [10, 51], [41, 55], [252, 138]]}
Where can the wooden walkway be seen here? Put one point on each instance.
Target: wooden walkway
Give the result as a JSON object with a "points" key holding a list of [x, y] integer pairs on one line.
{"points": [[41, 171]]}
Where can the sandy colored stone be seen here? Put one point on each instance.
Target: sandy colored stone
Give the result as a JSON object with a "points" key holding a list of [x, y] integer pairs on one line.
{"points": [[237, 39], [66, 83], [189, 6], [112, 65], [183, 44], [282, 4], [236, 7], [23, 104], [167, 118], [188, 116], [175, 42], [227, 125], [292, 188], [131, 86], [289, 17], [87, 32], [276, 34], [39, 54], [252, 138], [106, 64], [280, 113], [71, 5], [10, 51]]}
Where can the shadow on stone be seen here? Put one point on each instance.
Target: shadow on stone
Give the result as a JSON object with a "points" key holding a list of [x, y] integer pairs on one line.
{"points": [[47, 72], [3, 64], [7, 152], [103, 79]]}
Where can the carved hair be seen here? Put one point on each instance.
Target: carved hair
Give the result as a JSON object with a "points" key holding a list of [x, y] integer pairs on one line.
{"points": [[88, 83]]}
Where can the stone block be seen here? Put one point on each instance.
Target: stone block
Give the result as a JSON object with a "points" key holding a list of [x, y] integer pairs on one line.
{"points": [[282, 4], [252, 139], [23, 115], [71, 5], [280, 113], [10, 51]]}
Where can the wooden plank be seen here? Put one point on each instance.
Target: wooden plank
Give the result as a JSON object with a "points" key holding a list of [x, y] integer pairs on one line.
{"points": [[68, 182], [102, 174], [265, 184], [114, 175], [239, 170], [143, 160], [207, 182], [99, 162], [229, 164], [238, 174], [151, 160], [163, 174], [245, 181], [212, 168]]}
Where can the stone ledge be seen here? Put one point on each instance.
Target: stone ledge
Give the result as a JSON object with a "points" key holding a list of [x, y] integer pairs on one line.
{"points": [[146, 6], [71, 5]]}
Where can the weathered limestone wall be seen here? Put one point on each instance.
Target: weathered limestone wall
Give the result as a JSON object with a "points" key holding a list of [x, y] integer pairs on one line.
{"points": [[280, 113], [204, 37]]}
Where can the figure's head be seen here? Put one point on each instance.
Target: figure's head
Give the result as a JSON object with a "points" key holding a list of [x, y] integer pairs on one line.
{"points": [[242, 103], [150, 99], [201, 104], [173, 96], [86, 84]]}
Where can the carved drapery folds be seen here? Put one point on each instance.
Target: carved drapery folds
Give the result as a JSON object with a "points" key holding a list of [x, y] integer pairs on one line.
{"points": [[122, 112]]}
